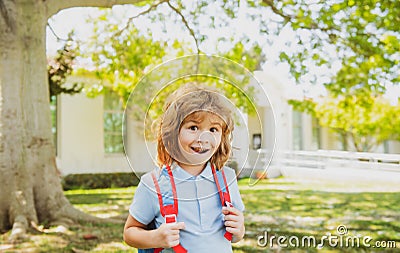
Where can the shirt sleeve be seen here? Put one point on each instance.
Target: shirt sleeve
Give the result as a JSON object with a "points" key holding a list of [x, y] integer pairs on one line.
{"points": [[234, 190], [142, 207]]}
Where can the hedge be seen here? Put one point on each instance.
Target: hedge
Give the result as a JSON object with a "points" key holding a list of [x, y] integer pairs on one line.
{"points": [[93, 181]]}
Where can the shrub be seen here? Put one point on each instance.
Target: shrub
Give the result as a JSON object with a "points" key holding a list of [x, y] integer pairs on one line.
{"points": [[104, 180]]}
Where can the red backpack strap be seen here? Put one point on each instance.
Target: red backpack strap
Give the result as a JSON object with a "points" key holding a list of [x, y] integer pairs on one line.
{"points": [[219, 176], [174, 209], [158, 190], [168, 211], [223, 192], [166, 208]]}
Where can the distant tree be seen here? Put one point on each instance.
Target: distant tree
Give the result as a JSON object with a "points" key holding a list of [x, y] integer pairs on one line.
{"points": [[362, 121]]}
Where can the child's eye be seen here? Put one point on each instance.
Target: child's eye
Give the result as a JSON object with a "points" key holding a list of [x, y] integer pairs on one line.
{"points": [[193, 128], [213, 130]]}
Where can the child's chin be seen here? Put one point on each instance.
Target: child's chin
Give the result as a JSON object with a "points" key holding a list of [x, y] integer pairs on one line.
{"points": [[198, 159]]}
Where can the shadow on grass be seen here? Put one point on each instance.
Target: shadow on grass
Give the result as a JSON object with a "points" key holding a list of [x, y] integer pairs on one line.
{"points": [[95, 199]]}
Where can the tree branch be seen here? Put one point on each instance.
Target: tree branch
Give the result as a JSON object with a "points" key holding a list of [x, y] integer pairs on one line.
{"points": [[54, 33], [186, 25], [271, 4], [289, 18], [148, 10]]}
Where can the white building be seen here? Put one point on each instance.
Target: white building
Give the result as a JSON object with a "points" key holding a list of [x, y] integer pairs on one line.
{"points": [[88, 133]]}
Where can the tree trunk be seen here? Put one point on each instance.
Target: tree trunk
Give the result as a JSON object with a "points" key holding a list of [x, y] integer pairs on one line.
{"points": [[30, 185]]}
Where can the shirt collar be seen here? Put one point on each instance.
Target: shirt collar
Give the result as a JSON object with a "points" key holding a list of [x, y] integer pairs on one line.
{"points": [[181, 175], [207, 173]]}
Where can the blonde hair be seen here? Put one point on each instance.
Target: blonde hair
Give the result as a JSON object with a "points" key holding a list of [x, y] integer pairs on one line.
{"points": [[184, 103]]}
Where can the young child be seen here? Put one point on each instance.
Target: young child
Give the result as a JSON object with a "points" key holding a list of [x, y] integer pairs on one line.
{"points": [[192, 200]]}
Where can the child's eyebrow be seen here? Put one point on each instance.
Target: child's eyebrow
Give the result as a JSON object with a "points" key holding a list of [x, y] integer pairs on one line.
{"points": [[216, 123], [192, 121]]}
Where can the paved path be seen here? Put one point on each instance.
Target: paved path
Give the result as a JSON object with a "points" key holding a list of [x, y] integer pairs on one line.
{"points": [[364, 179]]}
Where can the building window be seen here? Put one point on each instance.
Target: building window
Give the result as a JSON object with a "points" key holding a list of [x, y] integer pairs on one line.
{"points": [[316, 135], [297, 131], [256, 141], [53, 110], [113, 114]]}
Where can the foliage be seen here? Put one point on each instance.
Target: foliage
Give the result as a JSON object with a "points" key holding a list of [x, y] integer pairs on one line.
{"points": [[355, 43], [251, 58], [306, 105], [61, 67], [358, 38], [120, 56], [366, 121]]}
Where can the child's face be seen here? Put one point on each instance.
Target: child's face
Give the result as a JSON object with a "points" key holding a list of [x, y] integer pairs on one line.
{"points": [[199, 137]]}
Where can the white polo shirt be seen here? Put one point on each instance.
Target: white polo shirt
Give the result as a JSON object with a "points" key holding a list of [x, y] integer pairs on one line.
{"points": [[199, 208]]}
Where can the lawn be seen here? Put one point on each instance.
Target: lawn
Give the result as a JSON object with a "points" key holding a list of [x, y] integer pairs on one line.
{"points": [[294, 211]]}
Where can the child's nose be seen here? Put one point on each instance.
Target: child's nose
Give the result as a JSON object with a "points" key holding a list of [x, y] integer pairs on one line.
{"points": [[204, 137]]}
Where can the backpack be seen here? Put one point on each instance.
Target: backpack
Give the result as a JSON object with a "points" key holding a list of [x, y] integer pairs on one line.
{"points": [[169, 209]]}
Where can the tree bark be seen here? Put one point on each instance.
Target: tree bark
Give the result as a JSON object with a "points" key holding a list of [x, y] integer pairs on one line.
{"points": [[30, 185], [55, 6]]}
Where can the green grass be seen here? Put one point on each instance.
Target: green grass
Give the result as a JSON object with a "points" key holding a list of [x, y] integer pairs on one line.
{"points": [[281, 207]]}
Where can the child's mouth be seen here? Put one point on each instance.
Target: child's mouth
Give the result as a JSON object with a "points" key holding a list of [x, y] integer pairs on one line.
{"points": [[200, 150]]}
